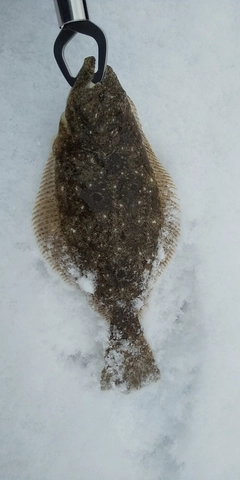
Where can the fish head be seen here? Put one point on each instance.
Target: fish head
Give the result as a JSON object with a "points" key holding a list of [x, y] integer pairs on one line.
{"points": [[96, 110]]}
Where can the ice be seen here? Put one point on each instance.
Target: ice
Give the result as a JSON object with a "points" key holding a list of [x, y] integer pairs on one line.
{"points": [[179, 62]]}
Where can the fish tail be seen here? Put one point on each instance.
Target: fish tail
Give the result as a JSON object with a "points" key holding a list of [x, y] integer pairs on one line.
{"points": [[129, 360]]}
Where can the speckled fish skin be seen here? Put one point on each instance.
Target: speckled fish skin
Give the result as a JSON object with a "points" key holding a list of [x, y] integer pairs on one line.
{"points": [[110, 216]]}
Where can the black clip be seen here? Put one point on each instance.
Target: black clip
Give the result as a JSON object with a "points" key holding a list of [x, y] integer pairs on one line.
{"points": [[67, 33]]}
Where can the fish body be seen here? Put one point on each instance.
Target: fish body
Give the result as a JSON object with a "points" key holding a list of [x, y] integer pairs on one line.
{"points": [[109, 212]]}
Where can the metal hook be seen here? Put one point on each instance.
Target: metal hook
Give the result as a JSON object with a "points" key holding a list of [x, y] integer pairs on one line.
{"points": [[73, 18]]}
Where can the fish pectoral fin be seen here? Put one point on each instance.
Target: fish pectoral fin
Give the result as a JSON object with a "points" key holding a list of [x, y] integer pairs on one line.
{"points": [[129, 361]]}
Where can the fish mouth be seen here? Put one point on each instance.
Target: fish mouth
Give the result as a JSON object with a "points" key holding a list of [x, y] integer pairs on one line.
{"points": [[87, 71], [89, 64]]}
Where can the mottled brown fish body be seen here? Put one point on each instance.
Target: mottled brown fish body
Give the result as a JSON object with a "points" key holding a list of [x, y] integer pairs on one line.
{"points": [[108, 216]]}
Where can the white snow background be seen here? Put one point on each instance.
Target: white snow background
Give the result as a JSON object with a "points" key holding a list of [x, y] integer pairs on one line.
{"points": [[180, 63]]}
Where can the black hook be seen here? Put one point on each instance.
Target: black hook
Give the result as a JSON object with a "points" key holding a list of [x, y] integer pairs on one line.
{"points": [[67, 33]]}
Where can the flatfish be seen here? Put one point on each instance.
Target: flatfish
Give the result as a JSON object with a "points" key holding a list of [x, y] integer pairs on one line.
{"points": [[106, 217]]}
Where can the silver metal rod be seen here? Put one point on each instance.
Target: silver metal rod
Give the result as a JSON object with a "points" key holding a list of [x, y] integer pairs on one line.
{"points": [[70, 10]]}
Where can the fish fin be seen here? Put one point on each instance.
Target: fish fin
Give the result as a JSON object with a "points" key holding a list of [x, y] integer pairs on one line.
{"points": [[170, 229], [129, 361], [46, 224]]}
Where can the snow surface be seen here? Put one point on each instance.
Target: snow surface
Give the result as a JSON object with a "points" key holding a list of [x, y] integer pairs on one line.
{"points": [[180, 63]]}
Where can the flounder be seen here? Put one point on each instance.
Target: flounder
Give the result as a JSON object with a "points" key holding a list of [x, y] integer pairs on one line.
{"points": [[106, 217]]}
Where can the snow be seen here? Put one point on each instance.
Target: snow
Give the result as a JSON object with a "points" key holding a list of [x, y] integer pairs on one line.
{"points": [[179, 62], [87, 282]]}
